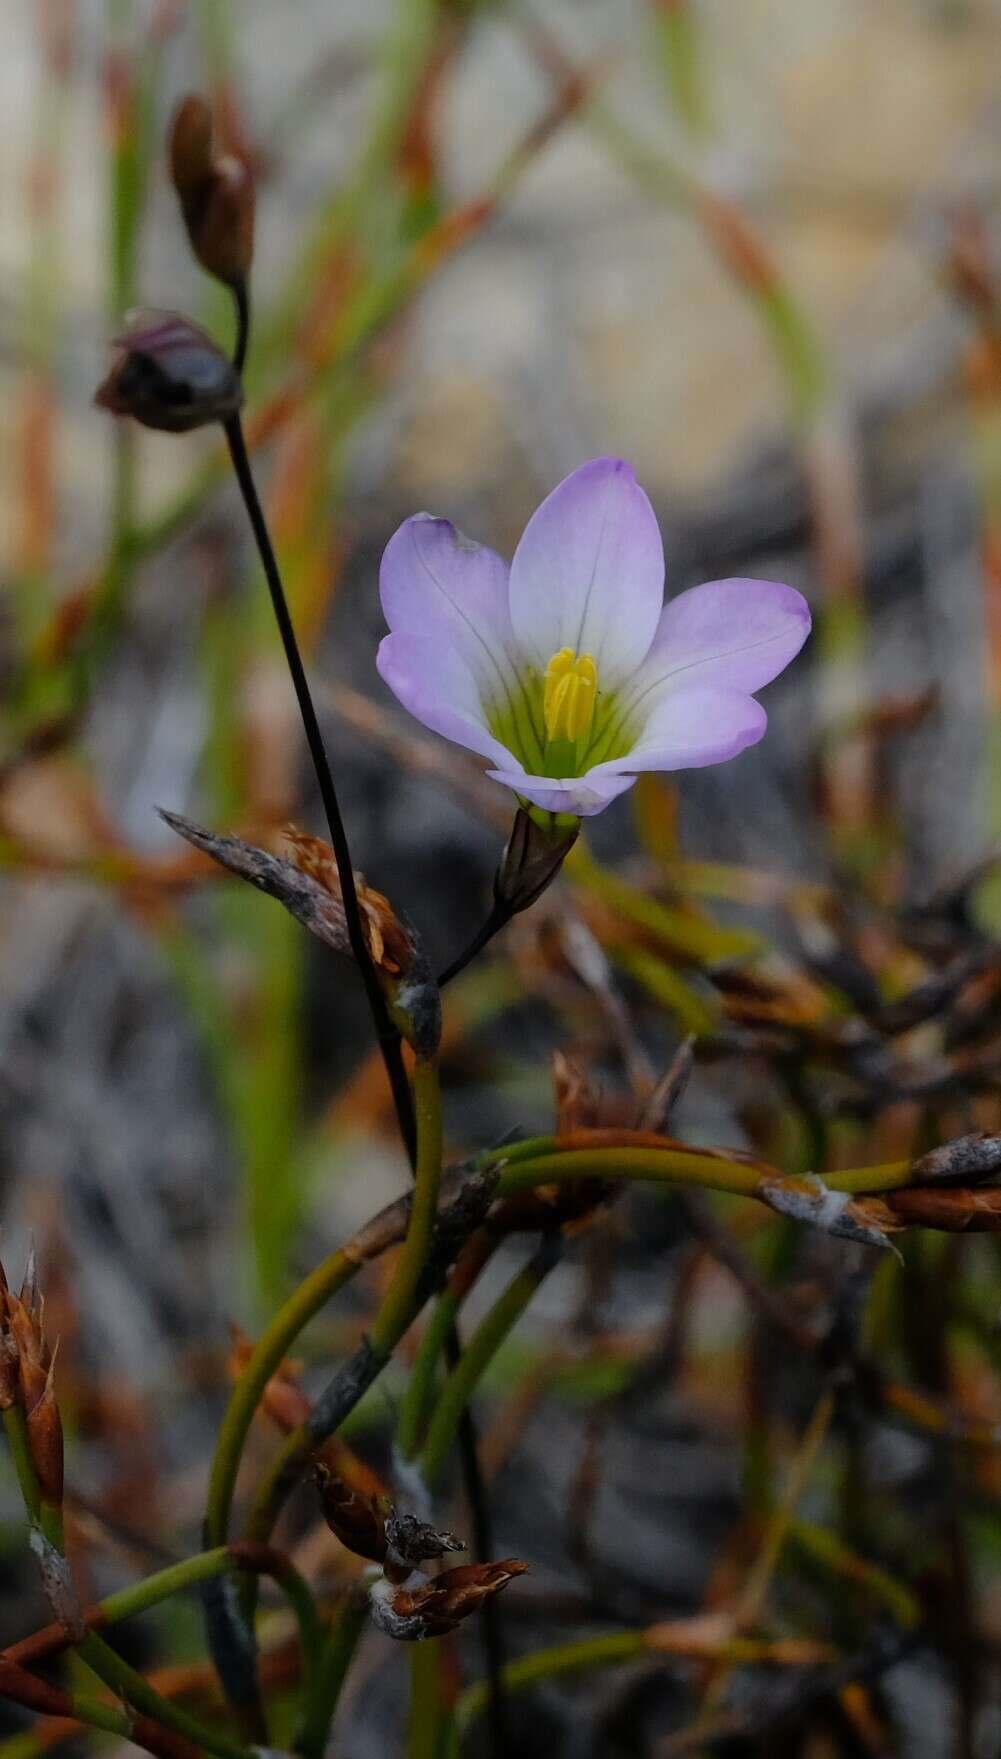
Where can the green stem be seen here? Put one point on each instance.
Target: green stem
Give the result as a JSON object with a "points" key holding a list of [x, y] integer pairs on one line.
{"points": [[136, 1691], [400, 1306], [670, 1166], [420, 1385], [299, 1309], [425, 1712], [544, 1664], [396, 1311], [477, 1357], [545, 1162], [334, 1659]]}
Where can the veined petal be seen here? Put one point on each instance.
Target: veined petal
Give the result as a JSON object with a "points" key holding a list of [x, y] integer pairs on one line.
{"points": [[689, 726], [581, 795], [436, 583], [588, 574], [737, 634], [435, 684]]}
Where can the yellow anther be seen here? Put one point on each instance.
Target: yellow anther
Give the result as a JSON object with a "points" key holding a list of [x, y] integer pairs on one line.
{"points": [[570, 695]]}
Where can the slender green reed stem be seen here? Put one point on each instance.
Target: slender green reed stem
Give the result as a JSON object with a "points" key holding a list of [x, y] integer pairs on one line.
{"points": [[400, 1306], [477, 1357], [133, 1689], [397, 1309], [424, 1716], [420, 1386], [299, 1309]]}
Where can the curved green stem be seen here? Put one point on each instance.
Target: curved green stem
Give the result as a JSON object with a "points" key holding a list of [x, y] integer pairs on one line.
{"points": [[420, 1386], [272, 1346], [663, 1165], [564, 1658], [400, 1306], [542, 1161], [134, 1690], [477, 1357]]}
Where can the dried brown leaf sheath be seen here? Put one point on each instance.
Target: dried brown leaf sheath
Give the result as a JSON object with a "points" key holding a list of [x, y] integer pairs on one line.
{"points": [[309, 888]]}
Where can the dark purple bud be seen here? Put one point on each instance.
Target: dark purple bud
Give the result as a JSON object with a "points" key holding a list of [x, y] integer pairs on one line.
{"points": [[169, 375]]}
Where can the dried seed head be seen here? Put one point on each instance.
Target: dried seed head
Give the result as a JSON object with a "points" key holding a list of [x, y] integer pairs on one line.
{"points": [[309, 889], [423, 1608], [169, 375], [26, 1379], [410, 1541], [216, 193], [356, 1518]]}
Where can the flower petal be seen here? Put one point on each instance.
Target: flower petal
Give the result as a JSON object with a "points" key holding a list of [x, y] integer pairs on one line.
{"points": [[738, 634], [436, 583], [588, 573], [582, 795], [689, 726], [434, 683]]}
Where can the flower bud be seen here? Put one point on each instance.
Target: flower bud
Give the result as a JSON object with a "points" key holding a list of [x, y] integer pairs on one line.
{"points": [[169, 375], [216, 194], [425, 1608], [533, 857]]}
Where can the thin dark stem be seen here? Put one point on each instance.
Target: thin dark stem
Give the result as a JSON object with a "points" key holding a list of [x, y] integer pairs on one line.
{"points": [[241, 297], [388, 1037], [498, 1723], [498, 918]]}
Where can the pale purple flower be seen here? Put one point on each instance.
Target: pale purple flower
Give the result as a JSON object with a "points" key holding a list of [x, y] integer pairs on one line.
{"points": [[567, 671]]}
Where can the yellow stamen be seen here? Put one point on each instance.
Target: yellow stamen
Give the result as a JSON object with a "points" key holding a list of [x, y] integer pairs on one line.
{"points": [[570, 695]]}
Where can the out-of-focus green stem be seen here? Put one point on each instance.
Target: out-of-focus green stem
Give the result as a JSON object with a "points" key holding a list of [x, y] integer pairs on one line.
{"points": [[424, 1716], [134, 75], [683, 932], [586, 1656], [678, 31], [336, 1655]]}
